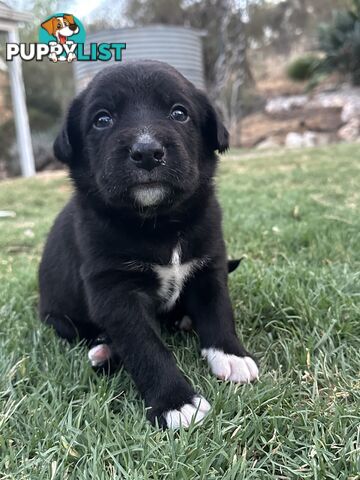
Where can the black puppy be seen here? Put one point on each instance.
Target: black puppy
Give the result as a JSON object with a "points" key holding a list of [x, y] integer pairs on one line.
{"points": [[142, 234]]}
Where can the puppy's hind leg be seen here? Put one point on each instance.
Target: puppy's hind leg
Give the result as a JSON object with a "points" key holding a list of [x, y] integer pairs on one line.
{"points": [[63, 325], [100, 355], [69, 329]]}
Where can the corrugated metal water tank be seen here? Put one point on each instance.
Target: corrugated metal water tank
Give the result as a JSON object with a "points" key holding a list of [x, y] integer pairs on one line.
{"points": [[179, 46]]}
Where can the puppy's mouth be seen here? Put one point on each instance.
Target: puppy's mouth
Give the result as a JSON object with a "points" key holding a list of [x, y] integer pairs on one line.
{"points": [[149, 194], [62, 38]]}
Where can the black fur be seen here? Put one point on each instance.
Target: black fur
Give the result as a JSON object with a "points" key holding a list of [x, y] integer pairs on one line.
{"points": [[96, 274]]}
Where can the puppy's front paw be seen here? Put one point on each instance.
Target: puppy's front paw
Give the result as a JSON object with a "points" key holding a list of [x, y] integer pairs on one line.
{"points": [[193, 412], [231, 367], [71, 57]]}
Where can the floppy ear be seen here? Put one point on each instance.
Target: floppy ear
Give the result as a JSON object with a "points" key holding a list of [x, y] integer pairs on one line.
{"points": [[69, 18], [68, 143], [214, 130], [49, 25]]}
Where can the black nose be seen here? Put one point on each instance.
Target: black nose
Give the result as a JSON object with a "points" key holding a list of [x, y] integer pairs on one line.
{"points": [[148, 155], [73, 27]]}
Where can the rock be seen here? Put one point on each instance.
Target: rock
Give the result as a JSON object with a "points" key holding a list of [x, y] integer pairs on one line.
{"points": [[323, 120], [323, 139], [351, 131], [269, 143], [285, 104], [294, 140], [327, 100], [351, 110], [346, 98], [307, 139], [300, 121], [258, 127]]}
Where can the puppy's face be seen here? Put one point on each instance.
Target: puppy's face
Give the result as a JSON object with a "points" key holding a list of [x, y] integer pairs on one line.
{"points": [[141, 136]]}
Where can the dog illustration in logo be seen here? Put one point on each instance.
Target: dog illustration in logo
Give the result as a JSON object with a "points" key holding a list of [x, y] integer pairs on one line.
{"points": [[61, 27]]}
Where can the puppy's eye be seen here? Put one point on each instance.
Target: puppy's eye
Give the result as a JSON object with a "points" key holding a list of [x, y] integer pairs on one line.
{"points": [[179, 113], [103, 120]]}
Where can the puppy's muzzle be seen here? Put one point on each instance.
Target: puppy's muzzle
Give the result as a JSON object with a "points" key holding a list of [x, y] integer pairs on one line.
{"points": [[148, 155]]}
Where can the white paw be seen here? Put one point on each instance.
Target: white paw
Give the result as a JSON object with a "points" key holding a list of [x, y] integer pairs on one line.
{"points": [[231, 367], [71, 57], [190, 412], [99, 354]]}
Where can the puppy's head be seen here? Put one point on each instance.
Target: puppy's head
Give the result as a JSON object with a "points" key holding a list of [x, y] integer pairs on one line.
{"points": [[64, 26], [141, 136]]}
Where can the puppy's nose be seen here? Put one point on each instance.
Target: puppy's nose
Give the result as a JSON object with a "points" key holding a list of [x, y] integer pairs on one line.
{"points": [[148, 155], [73, 27]]}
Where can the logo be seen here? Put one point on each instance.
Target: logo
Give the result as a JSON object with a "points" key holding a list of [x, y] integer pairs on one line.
{"points": [[65, 32], [62, 39]]}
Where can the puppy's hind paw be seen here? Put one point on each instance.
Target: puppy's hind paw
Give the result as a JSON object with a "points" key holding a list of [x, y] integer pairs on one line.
{"points": [[185, 324], [231, 367], [99, 354], [193, 412]]}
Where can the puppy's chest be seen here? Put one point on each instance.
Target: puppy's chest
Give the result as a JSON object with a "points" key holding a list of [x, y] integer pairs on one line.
{"points": [[172, 277]]}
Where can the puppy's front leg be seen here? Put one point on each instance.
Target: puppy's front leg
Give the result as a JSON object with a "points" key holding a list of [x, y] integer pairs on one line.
{"points": [[208, 304], [126, 315]]}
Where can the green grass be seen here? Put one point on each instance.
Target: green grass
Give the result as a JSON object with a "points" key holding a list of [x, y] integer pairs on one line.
{"points": [[295, 215]]}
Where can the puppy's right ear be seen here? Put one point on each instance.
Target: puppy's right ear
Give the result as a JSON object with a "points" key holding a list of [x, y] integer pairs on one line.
{"points": [[214, 130], [50, 25], [68, 143]]}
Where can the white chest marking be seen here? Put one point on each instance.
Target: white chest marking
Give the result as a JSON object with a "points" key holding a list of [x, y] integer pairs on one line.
{"points": [[173, 276]]}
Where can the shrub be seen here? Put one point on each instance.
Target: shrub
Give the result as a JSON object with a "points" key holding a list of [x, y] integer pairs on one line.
{"points": [[303, 68], [340, 40]]}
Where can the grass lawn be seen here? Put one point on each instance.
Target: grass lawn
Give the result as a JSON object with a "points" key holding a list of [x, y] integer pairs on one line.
{"points": [[296, 217]]}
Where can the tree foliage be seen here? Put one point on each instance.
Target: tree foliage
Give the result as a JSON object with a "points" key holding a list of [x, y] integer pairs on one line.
{"points": [[340, 41], [281, 25]]}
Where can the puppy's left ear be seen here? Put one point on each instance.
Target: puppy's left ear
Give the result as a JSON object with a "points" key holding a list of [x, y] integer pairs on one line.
{"points": [[68, 143], [214, 130]]}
